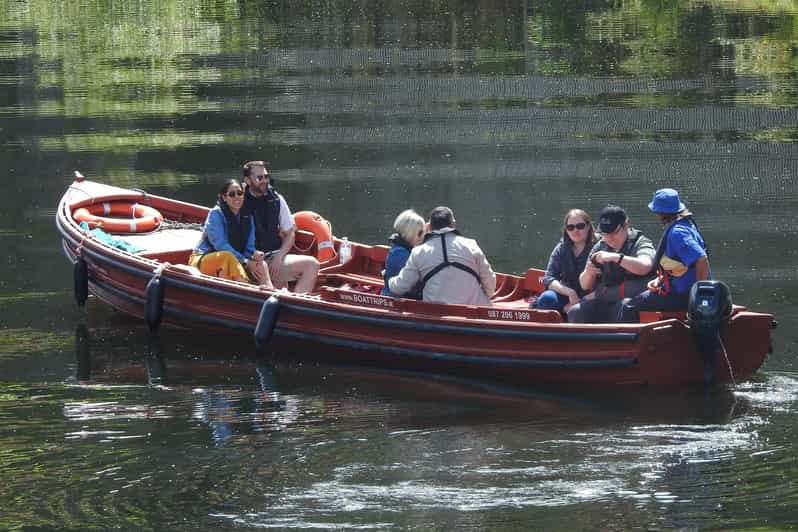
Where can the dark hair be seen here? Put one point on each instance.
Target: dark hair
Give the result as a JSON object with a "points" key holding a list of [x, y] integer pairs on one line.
{"points": [[591, 233], [248, 166], [226, 186], [668, 217], [441, 217]]}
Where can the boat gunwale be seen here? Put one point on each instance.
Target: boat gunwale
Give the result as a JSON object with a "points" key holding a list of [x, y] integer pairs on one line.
{"points": [[315, 304]]}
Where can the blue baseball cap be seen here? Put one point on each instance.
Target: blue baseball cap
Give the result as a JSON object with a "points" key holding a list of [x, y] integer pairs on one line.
{"points": [[666, 201]]}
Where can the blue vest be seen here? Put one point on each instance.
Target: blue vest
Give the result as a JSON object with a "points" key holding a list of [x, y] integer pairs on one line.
{"points": [[238, 227], [266, 210]]}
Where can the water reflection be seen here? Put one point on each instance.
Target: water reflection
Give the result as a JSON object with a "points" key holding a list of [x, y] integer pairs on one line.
{"points": [[249, 392], [319, 445]]}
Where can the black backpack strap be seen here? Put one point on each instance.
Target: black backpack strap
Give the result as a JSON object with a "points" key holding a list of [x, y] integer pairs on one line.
{"points": [[444, 264], [461, 266], [663, 241]]}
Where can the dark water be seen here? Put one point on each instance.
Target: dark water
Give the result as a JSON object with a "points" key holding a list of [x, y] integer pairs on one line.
{"points": [[511, 113]]}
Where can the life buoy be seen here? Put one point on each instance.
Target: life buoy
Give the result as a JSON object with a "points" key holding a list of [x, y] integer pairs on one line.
{"points": [[321, 229], [129, 217]]}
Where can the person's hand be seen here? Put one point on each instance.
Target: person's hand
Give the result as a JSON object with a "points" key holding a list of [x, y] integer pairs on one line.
{"points": [[654, 284], [592, 269], [275, 265], [257, 256], [253, 269], [604, 257], [573, 298]]}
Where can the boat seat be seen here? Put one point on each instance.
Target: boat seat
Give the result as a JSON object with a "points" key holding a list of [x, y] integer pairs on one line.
{"points": [[191, 270], [354, 282], [164, 240], [177, 256], [651, 316], [533, 280], [504, 285], [515, 294]]}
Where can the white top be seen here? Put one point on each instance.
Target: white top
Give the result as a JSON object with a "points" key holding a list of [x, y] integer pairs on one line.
{"points": [[450, 285], [286, 220]]}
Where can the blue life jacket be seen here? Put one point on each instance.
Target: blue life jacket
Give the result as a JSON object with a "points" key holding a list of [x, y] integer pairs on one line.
{"points": [[238, 227]]}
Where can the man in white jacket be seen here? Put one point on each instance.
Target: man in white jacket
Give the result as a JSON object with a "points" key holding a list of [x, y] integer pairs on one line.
{"points": [[449, 267]]}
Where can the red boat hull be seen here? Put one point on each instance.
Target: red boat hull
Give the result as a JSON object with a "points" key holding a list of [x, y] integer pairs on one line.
{"points": [[351, 323]]}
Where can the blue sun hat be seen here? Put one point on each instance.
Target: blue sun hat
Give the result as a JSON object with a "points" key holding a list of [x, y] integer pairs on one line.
{"points": [[666, 201]]}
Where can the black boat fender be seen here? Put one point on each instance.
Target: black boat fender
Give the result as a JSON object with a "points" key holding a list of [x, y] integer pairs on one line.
{"points": [[80, 274], [266, 322], [153, 300]]}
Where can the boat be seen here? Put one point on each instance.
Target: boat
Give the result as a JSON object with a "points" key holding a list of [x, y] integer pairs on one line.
{"points": [[346, 320]]}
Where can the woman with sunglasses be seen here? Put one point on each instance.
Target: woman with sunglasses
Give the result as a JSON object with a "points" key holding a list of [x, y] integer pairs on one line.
{"points": [[410, 231], [227, 246], [567, 261]]}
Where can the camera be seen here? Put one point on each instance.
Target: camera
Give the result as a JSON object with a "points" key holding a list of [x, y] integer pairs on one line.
{"points": [[594, 261]]}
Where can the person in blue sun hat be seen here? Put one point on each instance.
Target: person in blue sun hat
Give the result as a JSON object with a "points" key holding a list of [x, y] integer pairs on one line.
{"points": [[681, 260]]}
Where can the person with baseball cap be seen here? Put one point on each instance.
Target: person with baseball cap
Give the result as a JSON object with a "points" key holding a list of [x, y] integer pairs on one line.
{"points": [[680, 261], [620, 263]]}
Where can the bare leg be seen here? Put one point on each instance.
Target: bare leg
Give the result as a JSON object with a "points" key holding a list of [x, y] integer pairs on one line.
{"points": [[303, 268], [260, 274]]}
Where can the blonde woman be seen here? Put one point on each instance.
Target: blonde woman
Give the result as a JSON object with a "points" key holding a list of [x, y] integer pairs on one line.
{"points": [[410, 230]]}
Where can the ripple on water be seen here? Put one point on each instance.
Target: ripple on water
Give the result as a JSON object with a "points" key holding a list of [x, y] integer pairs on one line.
{"points": [[778, 393]]}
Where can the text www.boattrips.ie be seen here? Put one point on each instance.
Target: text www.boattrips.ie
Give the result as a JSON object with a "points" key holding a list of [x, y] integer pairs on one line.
{"points": [[369, 300]]}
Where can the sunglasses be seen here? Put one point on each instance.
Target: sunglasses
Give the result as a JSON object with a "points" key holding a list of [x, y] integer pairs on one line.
{"points": [[580, 226], [235, 193], [259, 177]]}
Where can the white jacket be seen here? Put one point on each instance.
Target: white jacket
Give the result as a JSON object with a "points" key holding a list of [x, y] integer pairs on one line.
{"points": [[449, 285]]}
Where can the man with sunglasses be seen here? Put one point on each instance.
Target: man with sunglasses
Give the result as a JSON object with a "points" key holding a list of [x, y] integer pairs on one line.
{"points": [[275, 231], [620, 264]]}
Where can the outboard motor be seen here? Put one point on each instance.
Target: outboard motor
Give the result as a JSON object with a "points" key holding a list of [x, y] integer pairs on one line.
{"points": [[709, 310]]}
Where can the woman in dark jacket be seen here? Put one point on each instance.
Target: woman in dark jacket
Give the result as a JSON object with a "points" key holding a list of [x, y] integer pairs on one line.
{"points": [[567, 261], [410, 230], [227, 246]]}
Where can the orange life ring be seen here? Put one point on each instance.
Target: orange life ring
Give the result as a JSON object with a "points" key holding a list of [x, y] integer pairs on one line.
{"points": [[128, 217], [321, 229]]}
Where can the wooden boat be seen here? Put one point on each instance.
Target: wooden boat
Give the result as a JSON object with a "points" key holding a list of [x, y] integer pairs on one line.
{"points": [[345, 319]]}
